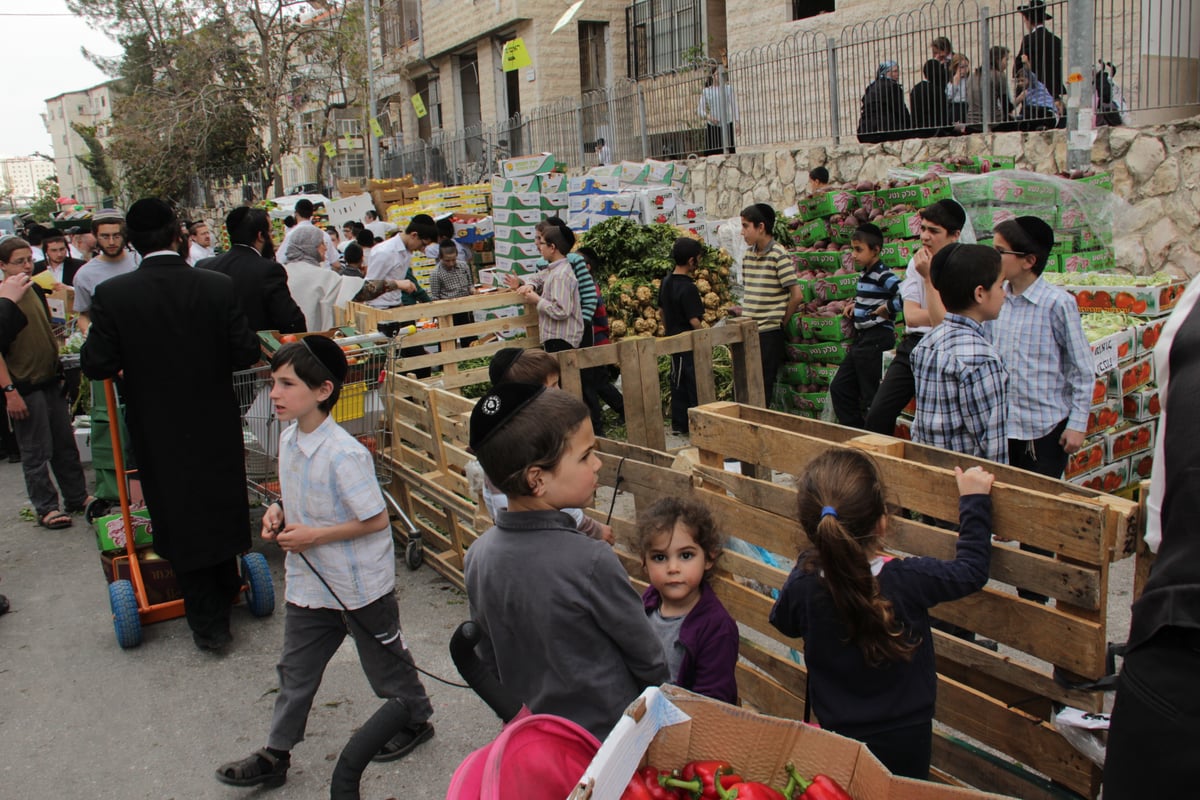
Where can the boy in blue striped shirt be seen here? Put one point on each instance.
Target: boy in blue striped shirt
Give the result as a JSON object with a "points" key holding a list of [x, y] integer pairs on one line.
{"points": [[875, 307]]}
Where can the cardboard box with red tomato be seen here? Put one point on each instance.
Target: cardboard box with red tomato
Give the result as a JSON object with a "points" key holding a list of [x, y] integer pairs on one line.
{"points": [[1147, 334], [1141, 405], [1100, 389], [1130, 377], [1093, 454], [1103, 416], [903, 429], [1106, 478], [1140, 466], [1146, 301], [1129, 438], [1111, 350], [667, 727]]}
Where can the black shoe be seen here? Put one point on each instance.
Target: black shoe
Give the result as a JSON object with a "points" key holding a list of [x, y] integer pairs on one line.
{"points": [[4, 606], [213, 643], [404, 742], [263, 768], [14, 458]]}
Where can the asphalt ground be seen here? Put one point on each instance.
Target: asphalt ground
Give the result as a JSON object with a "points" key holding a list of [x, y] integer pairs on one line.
{"points": [[82, 718]]}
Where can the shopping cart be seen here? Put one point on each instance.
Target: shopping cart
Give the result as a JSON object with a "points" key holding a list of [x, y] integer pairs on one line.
{"points": [[363, 410], [129, 597]]}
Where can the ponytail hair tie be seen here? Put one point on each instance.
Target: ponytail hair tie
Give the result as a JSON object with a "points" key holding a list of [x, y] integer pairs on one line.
{"points": [[829, 511]]}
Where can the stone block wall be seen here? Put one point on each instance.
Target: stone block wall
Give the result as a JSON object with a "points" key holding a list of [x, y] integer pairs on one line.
{"points": [[1155, 169]]}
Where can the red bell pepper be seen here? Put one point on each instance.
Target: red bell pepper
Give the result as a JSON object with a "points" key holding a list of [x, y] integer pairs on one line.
{"points": [[821, 787], [699, 779], [750, 790], [644, 785]]}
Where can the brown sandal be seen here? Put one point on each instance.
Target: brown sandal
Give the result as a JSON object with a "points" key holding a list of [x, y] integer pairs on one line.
{"points": [[56, 520], [263, 768]]}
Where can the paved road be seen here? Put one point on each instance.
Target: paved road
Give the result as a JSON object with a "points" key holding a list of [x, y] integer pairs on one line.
{"points": [[80, 718]]}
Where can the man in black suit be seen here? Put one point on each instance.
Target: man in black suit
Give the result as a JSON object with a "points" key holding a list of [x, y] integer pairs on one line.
{"points": [[1043, 48], [58, 259], [259, 282], [178, 334]]}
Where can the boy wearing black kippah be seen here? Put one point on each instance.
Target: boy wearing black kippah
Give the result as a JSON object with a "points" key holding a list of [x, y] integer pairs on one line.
{"points": [[341, 566], [563, 629], [876, 304]]}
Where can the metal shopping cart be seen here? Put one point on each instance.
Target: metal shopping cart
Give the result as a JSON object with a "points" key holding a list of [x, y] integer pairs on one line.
{"points": [[363, 409]]}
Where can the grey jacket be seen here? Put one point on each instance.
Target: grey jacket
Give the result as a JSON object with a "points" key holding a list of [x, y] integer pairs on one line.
{"points": [[564, 630]]}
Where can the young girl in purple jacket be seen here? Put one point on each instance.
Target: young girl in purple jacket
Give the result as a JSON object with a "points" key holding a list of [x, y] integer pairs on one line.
{"points": [[680, 545]]}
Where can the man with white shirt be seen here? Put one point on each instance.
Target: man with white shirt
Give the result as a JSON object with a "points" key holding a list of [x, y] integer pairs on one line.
{"points": [[83, 243], [304, 214], [57, 261], [392, 260], [375, 225], [109, 230], [199, 242]]}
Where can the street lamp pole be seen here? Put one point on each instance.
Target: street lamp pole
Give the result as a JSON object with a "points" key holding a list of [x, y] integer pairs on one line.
{"points": [[372, 110]]}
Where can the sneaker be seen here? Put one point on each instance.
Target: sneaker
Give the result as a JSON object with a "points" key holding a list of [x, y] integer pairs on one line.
{"points": [[405, 742]]}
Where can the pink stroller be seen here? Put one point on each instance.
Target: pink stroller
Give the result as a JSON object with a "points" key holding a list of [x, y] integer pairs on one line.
{"points": [[535, 757]]}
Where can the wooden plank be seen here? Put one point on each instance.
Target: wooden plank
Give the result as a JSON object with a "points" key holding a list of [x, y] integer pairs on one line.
{"points": [[752, 569], [746, 356], [570, 377], [1069, 527], [443, 565], [777, 534], [631, 386], [787, 673], [978, 768], [702, 359], [1014, 733], [749, 608], [651, 397], [758, 691], [1059, 579], [638, 475]]}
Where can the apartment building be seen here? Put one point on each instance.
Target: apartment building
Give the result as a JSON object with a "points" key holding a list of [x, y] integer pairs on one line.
{"points": [[87, 107], [19, 176]]}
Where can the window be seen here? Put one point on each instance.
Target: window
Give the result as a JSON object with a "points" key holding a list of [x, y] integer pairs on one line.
{"points": [[803, 9], [351, 165], [593, 55], [308, 127], [397, 24], [350, 126], [662, 35]]}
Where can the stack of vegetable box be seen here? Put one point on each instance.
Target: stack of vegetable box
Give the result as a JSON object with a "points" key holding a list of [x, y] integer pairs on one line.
{"points": [[1123, 317]]}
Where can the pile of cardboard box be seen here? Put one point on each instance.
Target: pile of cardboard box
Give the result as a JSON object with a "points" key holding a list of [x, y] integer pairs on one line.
{"points": [[648, 191]]}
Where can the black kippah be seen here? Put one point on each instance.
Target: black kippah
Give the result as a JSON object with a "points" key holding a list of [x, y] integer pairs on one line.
{"points": [[330, 355], [149, 214], [501, 362], [497, 407], [1039, 232]]}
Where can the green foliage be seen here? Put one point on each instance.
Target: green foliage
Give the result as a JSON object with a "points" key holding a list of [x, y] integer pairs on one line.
{"points": [[96, 161], [781, 232], [46, 202], [628, 249]]}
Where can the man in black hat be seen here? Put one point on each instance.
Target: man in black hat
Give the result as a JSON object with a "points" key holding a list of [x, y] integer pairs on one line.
{"points": [[178, 334], [1041, 50], [259, 281]]}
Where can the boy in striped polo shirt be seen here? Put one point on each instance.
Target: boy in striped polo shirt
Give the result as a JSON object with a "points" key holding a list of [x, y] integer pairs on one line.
{"points": [[876, 304], [772, 293]]}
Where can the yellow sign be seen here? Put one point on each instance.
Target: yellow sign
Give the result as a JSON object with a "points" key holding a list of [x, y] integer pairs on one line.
{"points": [[376, 128], [515, 55], [313, 157], [330, 149], [419, 106]]}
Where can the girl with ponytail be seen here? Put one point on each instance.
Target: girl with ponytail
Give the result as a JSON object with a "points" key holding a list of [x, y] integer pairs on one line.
{"points": [[864, 617]]}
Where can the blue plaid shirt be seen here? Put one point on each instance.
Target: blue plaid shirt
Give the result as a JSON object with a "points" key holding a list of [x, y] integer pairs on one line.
{"points": [[1040, 339], [961, 386]]}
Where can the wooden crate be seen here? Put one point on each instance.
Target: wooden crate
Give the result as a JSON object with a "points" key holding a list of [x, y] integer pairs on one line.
{"points": [[1000, 701]]}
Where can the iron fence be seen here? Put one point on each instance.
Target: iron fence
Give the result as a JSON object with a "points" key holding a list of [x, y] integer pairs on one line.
{"points": [[810, 86]]}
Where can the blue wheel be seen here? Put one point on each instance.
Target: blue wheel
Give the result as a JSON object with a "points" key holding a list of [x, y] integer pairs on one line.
{"points": [[126, 621], [260, 591]]}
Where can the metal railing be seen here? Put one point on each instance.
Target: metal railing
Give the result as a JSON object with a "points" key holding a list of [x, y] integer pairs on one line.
{"points": [[811, 86]]}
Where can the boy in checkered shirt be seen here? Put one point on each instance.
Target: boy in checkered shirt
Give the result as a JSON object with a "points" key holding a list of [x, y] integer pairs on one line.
{"points": [[452, 278], [961, 382]]}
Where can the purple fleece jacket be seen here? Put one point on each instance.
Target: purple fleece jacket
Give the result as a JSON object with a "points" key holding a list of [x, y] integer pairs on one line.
{"points": [[710, 638]]}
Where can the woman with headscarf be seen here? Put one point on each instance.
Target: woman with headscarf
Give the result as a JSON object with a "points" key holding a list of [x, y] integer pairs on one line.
{"points": [[884, 116], [317, 289]]}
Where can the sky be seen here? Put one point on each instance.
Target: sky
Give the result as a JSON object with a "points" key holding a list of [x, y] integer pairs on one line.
{"points": [[42, 50]]}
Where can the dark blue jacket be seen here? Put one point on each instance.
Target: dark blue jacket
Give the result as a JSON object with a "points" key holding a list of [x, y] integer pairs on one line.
{"points": [[848, 695], [710, 638]]}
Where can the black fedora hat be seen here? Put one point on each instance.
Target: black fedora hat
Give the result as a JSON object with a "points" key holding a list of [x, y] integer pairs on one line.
{"points": [[1035, 11]]}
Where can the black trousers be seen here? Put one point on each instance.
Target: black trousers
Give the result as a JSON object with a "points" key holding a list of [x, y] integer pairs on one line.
{"points": [[1156, 719], [857, 379], [897, 389], [1045, 456], [905, 751], [773, 346], [683, 390], [208, 595]]}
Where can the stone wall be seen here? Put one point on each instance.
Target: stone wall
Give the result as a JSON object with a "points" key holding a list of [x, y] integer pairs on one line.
{"points": [[1155, 169]]}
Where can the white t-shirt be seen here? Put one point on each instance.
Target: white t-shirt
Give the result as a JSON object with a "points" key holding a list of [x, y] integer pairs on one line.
{"points": [[198, 252], [96, 272], [912, 290], [380, 228], [389, 261]]}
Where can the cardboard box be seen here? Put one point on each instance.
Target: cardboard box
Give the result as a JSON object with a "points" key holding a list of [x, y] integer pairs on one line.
{"points": [[527, 165], [1023, 192], [918, 195], [111, 534], [826, 204], [1103, 416], [83, 443], [821, 374], [898, 253], [903, 429], [840, 287], [1110, 350], [517, 251], [515, 234], [1129, 377], [1141, 405], [157, 574], [1101, 180], [823, 329], [1100, 389], [809, 233], [807, 401], [1146, 335], [625, 204], [900, 226], [517, 216], [1106, 478], [555, 183], [668, 727], [593, 184], [1093, 454], [554, 202], [1091, 261], [1140, 467], [819, 353], [1130, 438], [794, 374], [690, 214], [1131, 298], [824, 260]]}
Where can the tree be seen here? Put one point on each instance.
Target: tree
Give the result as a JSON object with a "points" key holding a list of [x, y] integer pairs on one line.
{"points": [[96, 161], [209, 84], [45, 203]]}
